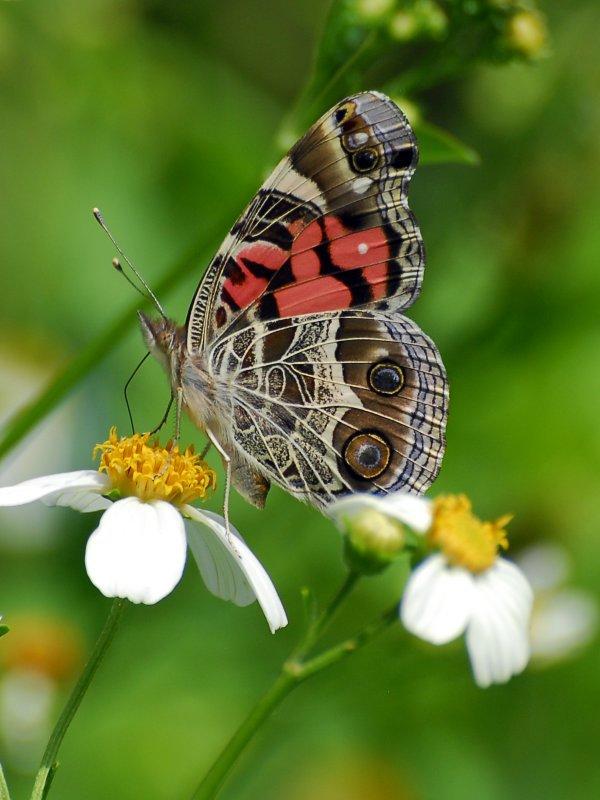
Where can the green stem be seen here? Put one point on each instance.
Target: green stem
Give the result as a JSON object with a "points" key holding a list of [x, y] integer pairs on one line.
{"points": [[295, 670], [49, 763], [320, 625], [4, 793], [214, 778], [347, 647]]}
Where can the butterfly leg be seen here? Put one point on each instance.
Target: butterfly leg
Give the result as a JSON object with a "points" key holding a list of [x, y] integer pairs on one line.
{"points": [[227, 460], [164, 417], [205, 450], [178, 408], [175, 440]]}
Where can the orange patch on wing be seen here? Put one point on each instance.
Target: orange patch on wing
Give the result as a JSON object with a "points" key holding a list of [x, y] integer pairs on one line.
{"points": [[305, 262], [361, 249], [324, 294], [244, 287]]}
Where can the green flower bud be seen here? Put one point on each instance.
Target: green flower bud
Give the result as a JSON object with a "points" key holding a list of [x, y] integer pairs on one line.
{"points": [[403, 26], [432, 18], [426, 19], [526, 33], [374, 10], [373, 540]]}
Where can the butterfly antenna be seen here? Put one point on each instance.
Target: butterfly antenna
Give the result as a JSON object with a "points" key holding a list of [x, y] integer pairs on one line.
{"points": [[119, 267], [126, 387]]}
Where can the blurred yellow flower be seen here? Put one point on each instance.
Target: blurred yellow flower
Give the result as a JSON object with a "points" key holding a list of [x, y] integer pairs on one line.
{"points": [[42, 644]]}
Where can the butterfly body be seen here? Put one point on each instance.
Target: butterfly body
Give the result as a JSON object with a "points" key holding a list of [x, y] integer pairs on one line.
{"points": [[296, 357]]}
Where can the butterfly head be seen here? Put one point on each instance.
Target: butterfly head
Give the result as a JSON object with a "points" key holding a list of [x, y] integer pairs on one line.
{"points": [[164, 340]]}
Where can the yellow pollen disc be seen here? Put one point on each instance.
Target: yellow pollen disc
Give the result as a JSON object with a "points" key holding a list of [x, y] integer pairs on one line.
{"points": [[464, 539], [137, 467]]}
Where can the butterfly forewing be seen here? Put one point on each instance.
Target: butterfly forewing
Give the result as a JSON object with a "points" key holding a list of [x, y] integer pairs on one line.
{"points": [[329, 230]]}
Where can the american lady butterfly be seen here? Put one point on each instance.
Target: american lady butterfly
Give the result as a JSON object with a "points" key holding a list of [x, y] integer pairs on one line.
{"points": [[295, 358]]}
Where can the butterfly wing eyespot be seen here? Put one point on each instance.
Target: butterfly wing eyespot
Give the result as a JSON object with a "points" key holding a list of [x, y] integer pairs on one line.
{"points": [[365, 160], [404, 158], [386, 378], [367, 454]]}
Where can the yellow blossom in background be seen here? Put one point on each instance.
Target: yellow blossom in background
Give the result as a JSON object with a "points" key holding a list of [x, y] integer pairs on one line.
{"points": [[42, 644]]}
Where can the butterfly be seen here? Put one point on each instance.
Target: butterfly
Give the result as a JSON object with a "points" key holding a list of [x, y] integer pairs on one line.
{"points": [[295, 357]]}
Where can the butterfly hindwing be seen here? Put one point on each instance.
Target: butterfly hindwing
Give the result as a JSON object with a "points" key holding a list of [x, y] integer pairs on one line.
{"points": [[329, 230], [334, 403]]}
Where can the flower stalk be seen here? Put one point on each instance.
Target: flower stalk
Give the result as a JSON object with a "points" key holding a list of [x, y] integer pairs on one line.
{"points": [[49, 761], [4, 793], [297, 668]]}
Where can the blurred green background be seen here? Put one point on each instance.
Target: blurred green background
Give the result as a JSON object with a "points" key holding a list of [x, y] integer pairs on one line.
{"points": [[164, 115]]}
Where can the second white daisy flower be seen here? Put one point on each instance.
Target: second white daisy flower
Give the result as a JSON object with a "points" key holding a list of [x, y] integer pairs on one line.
{"points": [[463, 586]]}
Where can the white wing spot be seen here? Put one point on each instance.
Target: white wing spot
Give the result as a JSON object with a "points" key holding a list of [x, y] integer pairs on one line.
{"points": [[363, 248], [360, 185], [355, 140]]}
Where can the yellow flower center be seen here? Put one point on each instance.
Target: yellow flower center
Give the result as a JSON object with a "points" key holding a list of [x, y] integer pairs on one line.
{"points": [[464, 539], [146, 470]]}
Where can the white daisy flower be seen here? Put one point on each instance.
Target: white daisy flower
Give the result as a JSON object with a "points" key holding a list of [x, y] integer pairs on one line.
{"points": [[564, 618], [138, 551], [466, 587], [463, 586]]}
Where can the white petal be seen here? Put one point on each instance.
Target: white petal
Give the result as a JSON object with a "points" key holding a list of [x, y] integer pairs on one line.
{"points": [[137, 551], [437, 601], [219, 568], [412, 510], [562, 624], [84, 500], [80, 490], [498, 633], [230, 569]]}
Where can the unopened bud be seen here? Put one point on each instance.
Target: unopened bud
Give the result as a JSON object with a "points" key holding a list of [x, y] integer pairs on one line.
{"points": [[374, 10], [432, 18], [373, 541], [425, 19], [403, 26], [526, 33]]}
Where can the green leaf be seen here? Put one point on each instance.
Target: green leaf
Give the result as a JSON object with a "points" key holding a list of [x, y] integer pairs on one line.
{"points": [[4, 629], [437, 146]]}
